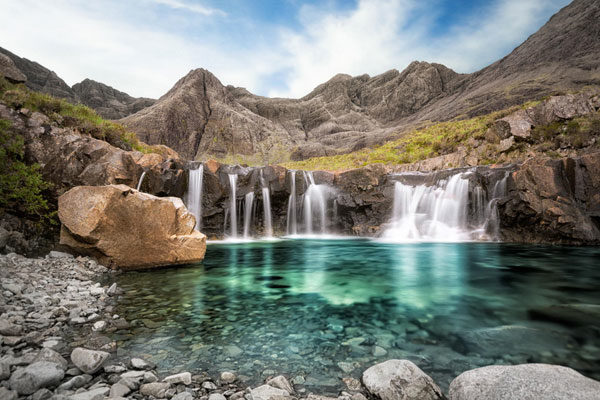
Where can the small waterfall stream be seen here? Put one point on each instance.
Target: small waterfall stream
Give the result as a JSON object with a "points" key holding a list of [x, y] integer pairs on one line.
{"points": [[139, 185], [314, 205], [267, 212], [232, 206], [248, 212], [292, 220], [194, 194]]}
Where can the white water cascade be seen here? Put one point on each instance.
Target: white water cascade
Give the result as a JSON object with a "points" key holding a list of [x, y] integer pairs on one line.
{"points": [[436, 213], [268, 220], [232, 205], [292, 221], [248, 203], [194, 194], [315, 206], [139, 185], [491, 224]]}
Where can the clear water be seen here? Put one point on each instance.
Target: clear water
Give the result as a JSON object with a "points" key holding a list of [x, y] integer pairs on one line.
{"points": [[322, 310]]}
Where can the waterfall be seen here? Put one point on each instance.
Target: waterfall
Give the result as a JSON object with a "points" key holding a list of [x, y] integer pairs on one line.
{"points": [[315, 205], [292, 223], [437, 212], [232, 205], [248, 202], [491, 225], [139, 185], [440, 212], [267, 212], [194, 194]]}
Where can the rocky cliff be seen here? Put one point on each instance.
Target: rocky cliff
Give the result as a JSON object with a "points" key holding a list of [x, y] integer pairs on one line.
{"points": [[200, 117], [107, 101]]}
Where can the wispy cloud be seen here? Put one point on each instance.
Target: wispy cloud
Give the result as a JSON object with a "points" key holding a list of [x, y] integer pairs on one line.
{"points": [[195, 8], [141, 48]]}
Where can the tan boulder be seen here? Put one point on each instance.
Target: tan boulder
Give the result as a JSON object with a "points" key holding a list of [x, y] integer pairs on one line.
{"points": [[128, 229]]}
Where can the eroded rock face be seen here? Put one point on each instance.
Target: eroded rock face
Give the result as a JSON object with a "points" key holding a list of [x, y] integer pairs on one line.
{"points": [[107, 101], [9, 70], [400, 380], [526, 381], [69, 159], [128, 229], [559, 197]]}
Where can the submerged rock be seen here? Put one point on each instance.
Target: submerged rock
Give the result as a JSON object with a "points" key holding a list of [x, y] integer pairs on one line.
{"points": [[129, 229], [400, 380], [525, 381]]}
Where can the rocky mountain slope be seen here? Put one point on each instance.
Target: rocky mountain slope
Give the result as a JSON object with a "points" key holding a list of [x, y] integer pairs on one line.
{"points": [[201, 117], [108, 102]]}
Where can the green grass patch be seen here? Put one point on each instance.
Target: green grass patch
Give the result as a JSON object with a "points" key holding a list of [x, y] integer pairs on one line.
{"points": [[416, 145]]}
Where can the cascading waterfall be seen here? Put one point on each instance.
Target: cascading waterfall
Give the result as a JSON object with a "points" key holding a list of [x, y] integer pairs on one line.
{"points": [[440, 212], [267, 212], [248, 202], [315, 205], [292, 223], [232, 205], [437, 212], [194, 194], [139, 185]]}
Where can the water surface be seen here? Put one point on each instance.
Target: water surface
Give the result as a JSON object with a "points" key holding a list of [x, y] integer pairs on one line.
{"points": [[322, 310]]}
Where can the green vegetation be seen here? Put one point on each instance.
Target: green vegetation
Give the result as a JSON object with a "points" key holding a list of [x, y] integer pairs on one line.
{"points": [[77, 116], [21, 186], [416, 145], [576, 133]]}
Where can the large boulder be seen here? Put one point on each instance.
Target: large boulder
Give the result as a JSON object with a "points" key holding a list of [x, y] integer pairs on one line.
{"points": [[400, 380], [35, 376], [89, 361], [524, 382], [128, 229]]}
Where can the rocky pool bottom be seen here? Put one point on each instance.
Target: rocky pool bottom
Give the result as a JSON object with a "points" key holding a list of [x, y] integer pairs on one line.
{"points": [[49, 306]]}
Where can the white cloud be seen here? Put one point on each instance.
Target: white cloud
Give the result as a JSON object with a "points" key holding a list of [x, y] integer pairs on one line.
{"points": [[195, 8], [124, 44]]}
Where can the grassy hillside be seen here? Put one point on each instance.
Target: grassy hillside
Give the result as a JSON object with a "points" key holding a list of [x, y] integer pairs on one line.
{"points": [[470, 134]]}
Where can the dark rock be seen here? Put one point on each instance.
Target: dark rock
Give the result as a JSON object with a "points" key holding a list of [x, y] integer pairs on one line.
{"points": [[561, 198], [9, 70]]}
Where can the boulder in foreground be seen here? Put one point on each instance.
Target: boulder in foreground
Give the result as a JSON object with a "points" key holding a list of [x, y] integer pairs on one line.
{"points": [[400, 380], [128, 229], [525, 382]]}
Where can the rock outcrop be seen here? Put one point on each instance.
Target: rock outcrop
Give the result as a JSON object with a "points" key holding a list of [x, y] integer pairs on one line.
{"points": [[128, 229], [9, 70], [559, 197], [526, 381], [68, 158], [200, 117], [107, 101]]}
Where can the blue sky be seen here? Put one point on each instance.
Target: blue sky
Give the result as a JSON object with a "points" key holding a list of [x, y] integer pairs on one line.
{"points": [[271, 47]]}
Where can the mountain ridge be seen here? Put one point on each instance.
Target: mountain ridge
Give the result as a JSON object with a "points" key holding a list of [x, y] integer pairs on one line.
{"points": [[348, 113]]}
